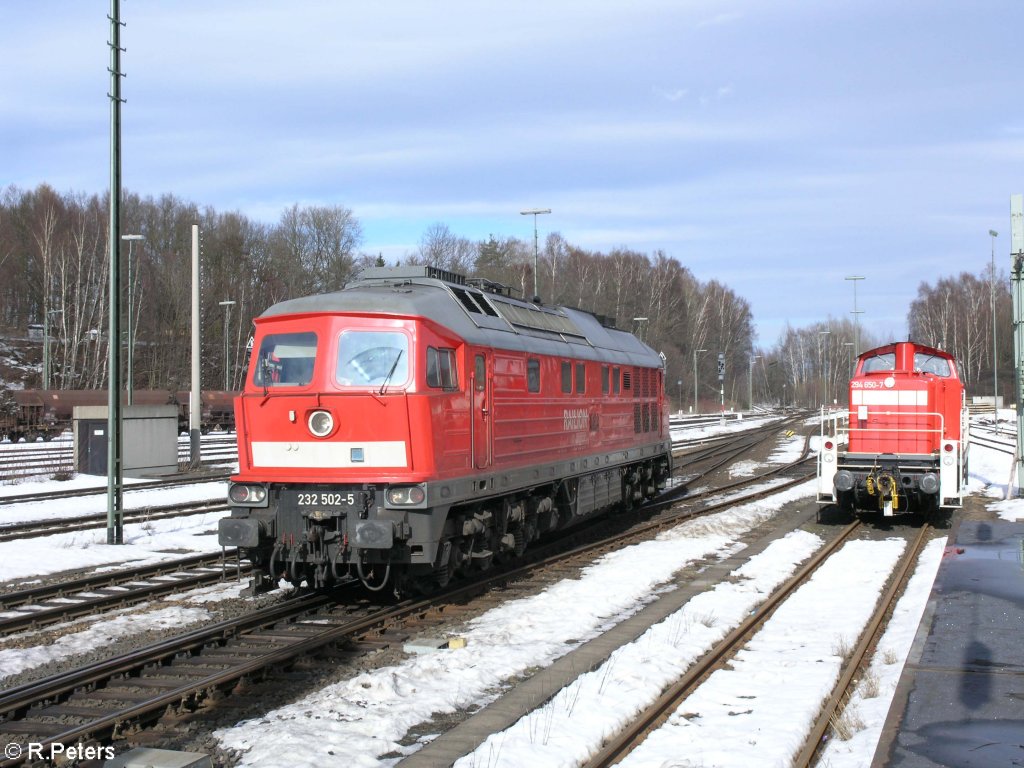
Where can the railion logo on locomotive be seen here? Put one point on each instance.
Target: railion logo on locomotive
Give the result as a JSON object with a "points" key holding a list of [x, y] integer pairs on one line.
{"points": [[575, 419]]}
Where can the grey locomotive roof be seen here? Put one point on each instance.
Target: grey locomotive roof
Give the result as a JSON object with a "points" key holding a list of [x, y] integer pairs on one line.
{"points": [[479, 317]]}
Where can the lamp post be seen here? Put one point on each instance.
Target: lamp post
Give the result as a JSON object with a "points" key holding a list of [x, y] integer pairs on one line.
{"points": [[820, 334], [850, 355], [535, 212], [679, 384], [750, 380], [227, 316], [856, 313], [46, 344], [131, 341], [995, 360], [695, 388]]}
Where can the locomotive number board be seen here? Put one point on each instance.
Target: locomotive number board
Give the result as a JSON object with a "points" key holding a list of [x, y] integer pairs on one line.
{"points": [[329, 499]]}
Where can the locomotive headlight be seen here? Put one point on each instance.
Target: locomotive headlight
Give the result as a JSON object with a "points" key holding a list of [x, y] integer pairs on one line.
{"points": [[246, 495], [405, 495], [320, 423]]}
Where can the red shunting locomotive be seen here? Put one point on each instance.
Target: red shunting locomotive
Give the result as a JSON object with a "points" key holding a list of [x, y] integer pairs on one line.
{"points": [[903, 445], [416, 425]]}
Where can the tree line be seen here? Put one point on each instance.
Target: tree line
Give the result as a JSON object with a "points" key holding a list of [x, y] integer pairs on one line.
{"points": [[54, 253]]}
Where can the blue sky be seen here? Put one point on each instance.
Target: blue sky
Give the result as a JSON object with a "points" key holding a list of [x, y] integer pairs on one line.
{"points": [[774, 146]]}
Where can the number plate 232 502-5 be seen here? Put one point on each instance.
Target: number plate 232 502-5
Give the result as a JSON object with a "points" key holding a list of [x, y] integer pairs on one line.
{"points": [[317, 503]]}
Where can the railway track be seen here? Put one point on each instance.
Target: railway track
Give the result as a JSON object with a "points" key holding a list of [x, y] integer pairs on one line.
{"points": [[37, 528], [21, 462], [41, 606], [669, 702], [102, 701], [73, 493]]}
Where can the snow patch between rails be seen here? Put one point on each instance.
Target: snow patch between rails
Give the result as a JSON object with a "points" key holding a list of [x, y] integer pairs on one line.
{"points": [[352, 721]]}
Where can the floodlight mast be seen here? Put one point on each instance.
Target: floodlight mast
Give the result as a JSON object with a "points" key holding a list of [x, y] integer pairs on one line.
{"points": [[535, 212]]}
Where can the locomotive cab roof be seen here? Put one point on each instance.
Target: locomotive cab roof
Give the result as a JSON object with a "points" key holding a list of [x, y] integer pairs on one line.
{"points": [[481, 312], [904, 357]]}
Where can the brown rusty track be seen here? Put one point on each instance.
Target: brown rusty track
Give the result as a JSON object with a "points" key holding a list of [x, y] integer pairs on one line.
{"points": [[869, 639], [659, 711]]}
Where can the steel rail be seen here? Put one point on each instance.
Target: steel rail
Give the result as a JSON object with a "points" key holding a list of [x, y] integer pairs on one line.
{"points": [[37, 528], [868, 639], [138, 585], [659, 711]]}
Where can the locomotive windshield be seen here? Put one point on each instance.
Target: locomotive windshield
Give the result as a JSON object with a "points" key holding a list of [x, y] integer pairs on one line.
{"points": [[936, 366], [883, 362], [285, 360], [923, 363], [371, 358]]}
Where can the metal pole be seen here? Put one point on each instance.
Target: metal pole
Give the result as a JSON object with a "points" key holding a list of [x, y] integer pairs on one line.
{"points": [[856, 314], [825, 388], [751, 380], [227, 364], [695, 407], [130, 385], [46, 347], [194, 404], [115, 511], [1017, 286], [995, 354], [536, 247]]}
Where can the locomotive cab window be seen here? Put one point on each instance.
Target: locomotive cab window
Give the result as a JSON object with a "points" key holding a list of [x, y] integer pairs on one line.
{"points": [[566, 377], [441, 371], [615, 380], [581, 378], [604, 379], [372, 358], [884, 362], [480, 373], [936, 366], [533, 375], [285, 360]]}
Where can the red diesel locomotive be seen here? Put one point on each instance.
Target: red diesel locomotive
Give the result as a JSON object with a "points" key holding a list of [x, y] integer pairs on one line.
{"points": [[415, 425], [903, 445]]}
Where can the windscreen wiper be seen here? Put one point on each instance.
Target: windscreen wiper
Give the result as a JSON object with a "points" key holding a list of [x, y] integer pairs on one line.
{"points": [[391, 373]]}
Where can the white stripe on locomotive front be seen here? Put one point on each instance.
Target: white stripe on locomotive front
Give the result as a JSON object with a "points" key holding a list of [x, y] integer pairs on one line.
{"points": [[890, 397], [329, 455]]}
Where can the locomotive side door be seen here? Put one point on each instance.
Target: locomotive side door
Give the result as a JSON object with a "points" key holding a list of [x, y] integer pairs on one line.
{"points": [[482, 416]]}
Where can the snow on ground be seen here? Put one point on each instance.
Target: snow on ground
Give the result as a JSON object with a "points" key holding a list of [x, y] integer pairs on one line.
{"points": [[49, 509], [144, 543], [569, 728], [356, 721], [868, 706], [788, 668], [360, 720]]}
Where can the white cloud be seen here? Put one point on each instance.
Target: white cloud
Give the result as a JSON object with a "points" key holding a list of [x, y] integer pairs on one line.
{"points": [[719, 20]]}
